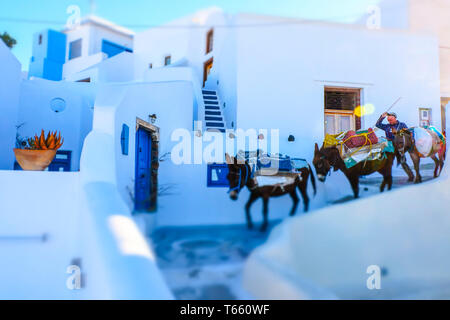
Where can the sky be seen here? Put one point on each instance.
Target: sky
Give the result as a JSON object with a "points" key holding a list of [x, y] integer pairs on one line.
{"points": [[22, 18]]}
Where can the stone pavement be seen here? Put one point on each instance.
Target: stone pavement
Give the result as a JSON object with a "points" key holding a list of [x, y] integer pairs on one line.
{"points": [[205, 262]]}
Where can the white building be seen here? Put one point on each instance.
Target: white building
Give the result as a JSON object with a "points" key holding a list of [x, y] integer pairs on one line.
{"points": [[94, 40], [60, 55], [240, 71], [429, 17]]}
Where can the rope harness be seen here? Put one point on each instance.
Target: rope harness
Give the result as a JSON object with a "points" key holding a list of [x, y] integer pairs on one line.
{"points": [[242, 183]]}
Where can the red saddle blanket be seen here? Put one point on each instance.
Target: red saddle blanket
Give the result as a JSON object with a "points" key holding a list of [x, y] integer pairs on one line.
{"points": [[354, 139]]}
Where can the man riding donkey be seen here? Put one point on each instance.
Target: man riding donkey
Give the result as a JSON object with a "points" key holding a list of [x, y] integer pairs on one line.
{"points": [[391, 129], [419, 142]]}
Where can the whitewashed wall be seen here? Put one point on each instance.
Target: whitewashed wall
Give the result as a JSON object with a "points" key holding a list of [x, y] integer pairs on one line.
{"points": [[282, 72], [120, 68], [184, 38], [91, 51], [10, 79], [74, 123]]}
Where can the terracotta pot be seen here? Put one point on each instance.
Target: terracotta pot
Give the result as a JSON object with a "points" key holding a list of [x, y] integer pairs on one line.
{"points": [[34, 160]]}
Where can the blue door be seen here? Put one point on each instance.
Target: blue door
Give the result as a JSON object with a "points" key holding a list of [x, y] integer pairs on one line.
{"points": [[143, 180]]}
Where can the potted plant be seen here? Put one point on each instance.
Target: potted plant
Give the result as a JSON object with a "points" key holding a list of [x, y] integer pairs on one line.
{"points": [[37, 153]]}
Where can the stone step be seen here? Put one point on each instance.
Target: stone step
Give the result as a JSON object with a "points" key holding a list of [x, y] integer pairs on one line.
{"points": [[213, 113], [215, 124], [212, 108], [215, 129], [213, 119]]}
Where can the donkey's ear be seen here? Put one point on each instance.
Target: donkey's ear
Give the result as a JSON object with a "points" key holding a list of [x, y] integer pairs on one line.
{"points": [[316, 150], [228, 159]]}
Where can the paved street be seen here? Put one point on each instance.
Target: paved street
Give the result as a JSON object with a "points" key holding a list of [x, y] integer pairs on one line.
{"points": [[206, 262]]}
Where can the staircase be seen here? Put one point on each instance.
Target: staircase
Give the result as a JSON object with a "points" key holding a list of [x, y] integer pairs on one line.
{"points": [[214, 119]]}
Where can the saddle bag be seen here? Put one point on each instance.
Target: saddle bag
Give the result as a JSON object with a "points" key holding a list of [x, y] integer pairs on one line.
{"points": [[354, 139], [280, 163]]}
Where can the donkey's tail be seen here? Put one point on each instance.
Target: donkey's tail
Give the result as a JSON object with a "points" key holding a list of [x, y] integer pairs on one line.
{"points": [[313, 180]]}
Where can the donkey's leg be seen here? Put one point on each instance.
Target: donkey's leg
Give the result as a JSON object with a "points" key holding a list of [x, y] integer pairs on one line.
{"points": [[408, 171], [354, 182], [296, 200], [436, 165], [441, 162], [416, 159], [388, 174], [387, 180], [249, 203], [265, 213], [302, 187]]}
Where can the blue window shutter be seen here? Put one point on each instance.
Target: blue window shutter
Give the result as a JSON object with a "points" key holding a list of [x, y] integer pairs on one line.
{"points": [[217, 175], [124, 139]]}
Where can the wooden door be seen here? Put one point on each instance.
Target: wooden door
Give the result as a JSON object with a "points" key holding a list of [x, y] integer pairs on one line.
{"points": [[207, 69]]}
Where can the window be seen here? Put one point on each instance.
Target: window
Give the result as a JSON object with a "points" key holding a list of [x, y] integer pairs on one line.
{"points": [[75, 49], [167, 60], [425, 117], [217, 175], [209, 41], [340, 105], [40, 39], [445, 105]]}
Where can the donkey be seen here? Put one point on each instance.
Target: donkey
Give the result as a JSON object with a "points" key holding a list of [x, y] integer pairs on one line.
{"points": [[240, 175], [404, 142], [327, 158]]}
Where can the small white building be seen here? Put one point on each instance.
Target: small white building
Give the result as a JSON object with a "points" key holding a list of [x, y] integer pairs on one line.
{"points": [[61, 55]]}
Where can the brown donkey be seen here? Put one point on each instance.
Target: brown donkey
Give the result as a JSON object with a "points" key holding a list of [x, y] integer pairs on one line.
{"points": [[327, 158], [240, 175], [404, 142]]}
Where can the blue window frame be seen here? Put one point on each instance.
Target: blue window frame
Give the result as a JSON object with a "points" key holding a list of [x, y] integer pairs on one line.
{"points": [[217, 175]]}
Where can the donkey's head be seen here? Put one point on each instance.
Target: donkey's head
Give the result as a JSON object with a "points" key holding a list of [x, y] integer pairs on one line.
{"points": [[403, 141], [238, 174], [324, 160]]}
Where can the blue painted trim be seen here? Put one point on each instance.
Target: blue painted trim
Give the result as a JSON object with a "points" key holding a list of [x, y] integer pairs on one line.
{"points": [[112, 49], [48, 56], [124, 139]]}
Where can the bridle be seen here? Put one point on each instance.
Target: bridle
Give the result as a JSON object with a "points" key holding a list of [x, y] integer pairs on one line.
{"points": [[241, 183], [402, 150]]}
